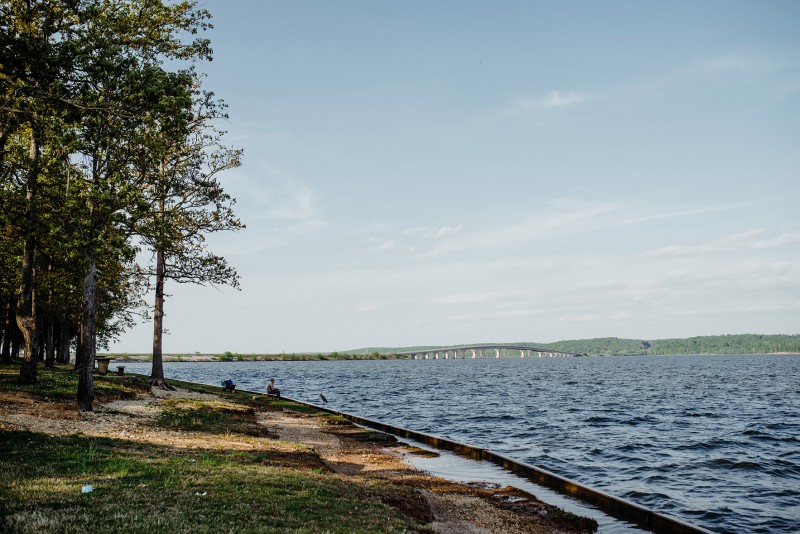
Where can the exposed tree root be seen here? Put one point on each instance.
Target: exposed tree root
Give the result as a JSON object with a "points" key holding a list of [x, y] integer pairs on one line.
{"points": [[160, 383]]}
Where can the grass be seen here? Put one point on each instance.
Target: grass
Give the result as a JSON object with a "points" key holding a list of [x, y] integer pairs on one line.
{"points": [[418, 451], [141, 487], [59, 384], [213, 417]]}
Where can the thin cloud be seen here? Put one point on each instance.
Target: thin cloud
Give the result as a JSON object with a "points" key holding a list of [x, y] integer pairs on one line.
{"points": [[550, 101], [738, 64], [563, 222], [296, 203], [565, 218], [432, 232], [741, 309], [260, 237], [467, 298], [515, 313], [379, 244], [750, 240]]}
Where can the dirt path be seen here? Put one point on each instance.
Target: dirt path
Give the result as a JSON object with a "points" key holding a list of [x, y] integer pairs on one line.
{"points": [[448, 507]]}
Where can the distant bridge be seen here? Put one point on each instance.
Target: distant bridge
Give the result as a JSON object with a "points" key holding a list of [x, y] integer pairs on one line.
{"points": [[484, 351]]}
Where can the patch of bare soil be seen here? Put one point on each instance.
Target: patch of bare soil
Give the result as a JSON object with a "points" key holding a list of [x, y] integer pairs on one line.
{"points": [[308, 442]]}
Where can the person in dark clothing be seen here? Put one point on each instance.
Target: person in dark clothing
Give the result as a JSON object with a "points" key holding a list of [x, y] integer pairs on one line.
{"points": [[272, 390]]}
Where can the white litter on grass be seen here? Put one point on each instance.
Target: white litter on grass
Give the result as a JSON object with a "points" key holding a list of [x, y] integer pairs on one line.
{"points": [[201, 494], [86, 489]]}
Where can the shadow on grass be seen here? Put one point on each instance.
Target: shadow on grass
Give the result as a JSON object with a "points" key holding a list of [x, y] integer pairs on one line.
{"points": [[138, 487], [60, 384], [210, 416]]}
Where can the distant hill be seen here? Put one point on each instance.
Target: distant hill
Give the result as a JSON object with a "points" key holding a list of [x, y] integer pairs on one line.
{"points": [[613, 346]]}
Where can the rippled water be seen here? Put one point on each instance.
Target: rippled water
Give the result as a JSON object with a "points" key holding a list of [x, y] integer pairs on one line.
{"points": [[714, 440]]}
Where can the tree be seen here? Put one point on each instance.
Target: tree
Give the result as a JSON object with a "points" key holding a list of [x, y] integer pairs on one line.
{"points": [[36, 57], [126, 40], [75, 115], [186, 199]]}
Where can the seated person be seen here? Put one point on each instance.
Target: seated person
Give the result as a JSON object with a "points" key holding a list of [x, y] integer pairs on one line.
{"points": [[272, 390], [228, 385]]}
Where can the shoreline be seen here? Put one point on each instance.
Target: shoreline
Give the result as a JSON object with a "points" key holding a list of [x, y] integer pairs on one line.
{"points": [[135, 430], [221, 358]]}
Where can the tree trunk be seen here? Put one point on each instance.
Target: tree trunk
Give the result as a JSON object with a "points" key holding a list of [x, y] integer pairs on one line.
{"points": [[10, 332], [79, 348], [4, 308], [4, 334], [16, 340], [42, 342], [26, 307], [64, 337], [88, 334], [50, 357], [157, 371]]}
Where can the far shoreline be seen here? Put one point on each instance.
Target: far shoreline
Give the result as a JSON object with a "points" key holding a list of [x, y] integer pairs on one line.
{"points": [[227, 357]]}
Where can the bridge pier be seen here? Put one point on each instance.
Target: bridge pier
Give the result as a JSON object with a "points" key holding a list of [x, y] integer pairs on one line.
{"points": [[478, 351]]}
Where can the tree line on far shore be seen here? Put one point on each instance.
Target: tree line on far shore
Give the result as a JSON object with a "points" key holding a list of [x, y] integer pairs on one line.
{"points": [[725, 344], [614, 346], [106, 154]]}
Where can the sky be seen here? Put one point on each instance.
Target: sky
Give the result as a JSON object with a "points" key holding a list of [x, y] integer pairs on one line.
{"points": [[453, 172]]}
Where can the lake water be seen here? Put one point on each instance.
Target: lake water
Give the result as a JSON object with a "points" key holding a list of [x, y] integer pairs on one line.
{"points": [[713, 440]]}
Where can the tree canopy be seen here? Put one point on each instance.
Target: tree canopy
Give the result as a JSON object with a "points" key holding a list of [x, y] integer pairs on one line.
{"points": [[103, 150]]}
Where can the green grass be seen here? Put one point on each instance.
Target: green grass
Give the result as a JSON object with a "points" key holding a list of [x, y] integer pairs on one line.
{"points": [[139, 488], [372, 436], [60, 383], [213, 417], [142, 487]]}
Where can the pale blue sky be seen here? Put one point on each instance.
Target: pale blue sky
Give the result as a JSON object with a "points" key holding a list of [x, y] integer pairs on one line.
{"points": [[448, 172]]}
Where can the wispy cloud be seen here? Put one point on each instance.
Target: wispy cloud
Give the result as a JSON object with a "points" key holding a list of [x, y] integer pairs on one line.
{"points": [[265, 191], [738, 64], [778, 75], [380, 244], [277, 209], [411, 236], [550, 101], [516, 313], [261, 236], [526, 230], [564, 218], [467, 298], [296, 202], [432, 232], [750, 240]]}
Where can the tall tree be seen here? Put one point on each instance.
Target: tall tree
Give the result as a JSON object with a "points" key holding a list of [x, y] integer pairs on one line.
{"points": [[73, 90], [187, 200], [36, 57], [126, 41]]}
